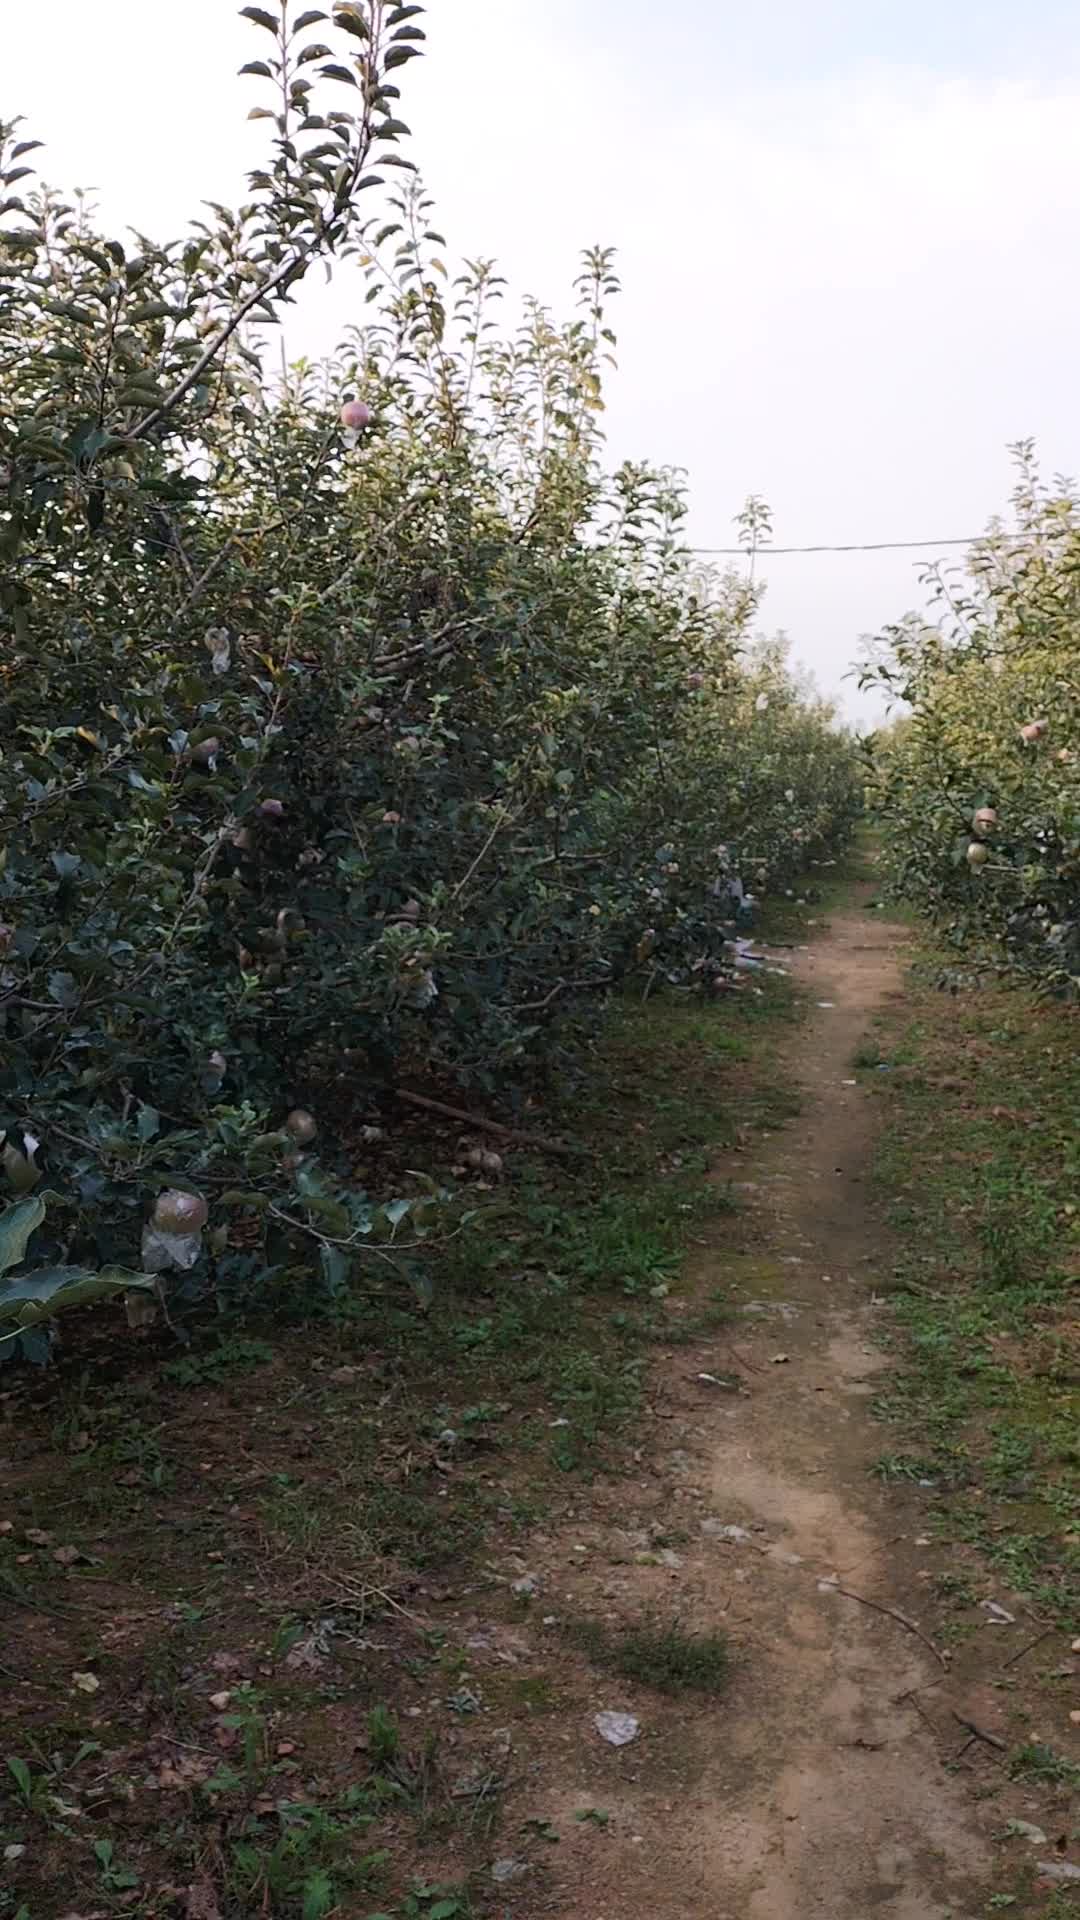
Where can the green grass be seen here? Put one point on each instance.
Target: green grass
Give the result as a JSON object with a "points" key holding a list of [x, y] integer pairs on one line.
{"points": [[978, 1171], [1039, 1762], [664, 1657]]}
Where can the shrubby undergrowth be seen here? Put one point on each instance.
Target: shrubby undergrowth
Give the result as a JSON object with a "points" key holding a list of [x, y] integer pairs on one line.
{"points": [[358, 727], [979, 785]]}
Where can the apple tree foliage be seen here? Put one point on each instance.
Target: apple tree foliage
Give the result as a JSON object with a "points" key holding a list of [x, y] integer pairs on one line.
{"points": [[978, 782], [359, 729]]}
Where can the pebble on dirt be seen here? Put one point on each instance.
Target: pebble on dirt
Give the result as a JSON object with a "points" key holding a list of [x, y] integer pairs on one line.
{"points": [[723, 1531], [618, 1729], [504, 1870]]}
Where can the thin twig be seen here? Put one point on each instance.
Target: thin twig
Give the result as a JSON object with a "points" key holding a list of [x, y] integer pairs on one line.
{"points": [[1015, 1658], [736, 1355], [189, 1745], [362, 1590], [520, 1134], [913, 1695], [562, 986], [978, 1733], [892, 1613], [503, 817]]}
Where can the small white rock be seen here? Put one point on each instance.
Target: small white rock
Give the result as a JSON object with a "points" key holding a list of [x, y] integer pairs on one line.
{"points": [[720, 1530], [998, 1616], [618, 1729]]}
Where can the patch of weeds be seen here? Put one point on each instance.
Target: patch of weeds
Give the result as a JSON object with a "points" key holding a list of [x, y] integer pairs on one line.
{"points": [[30, 1789], [978, 1164], [400, 1777], [36, 1784], [902, 1466], [116, 1876], [534, 1691], [1062, 1906], [384, 1739], [598, 1392], [427, 1901], [671, 1539], [955, 1589], [303, 1862], [1036, 1761], [537, 1828], [212, 1366], [665, 1657], [413, 1523], [868, 1055]]}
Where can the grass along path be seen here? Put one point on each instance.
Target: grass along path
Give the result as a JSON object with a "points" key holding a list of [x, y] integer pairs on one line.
{"points": [[318, 1622]]}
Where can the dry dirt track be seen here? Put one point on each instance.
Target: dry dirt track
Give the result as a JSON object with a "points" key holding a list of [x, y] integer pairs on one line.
{"points": [[815, 1789]]}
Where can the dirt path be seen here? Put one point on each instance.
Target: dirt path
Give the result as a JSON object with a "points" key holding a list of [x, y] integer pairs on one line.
{"points": [[815, 1787]]}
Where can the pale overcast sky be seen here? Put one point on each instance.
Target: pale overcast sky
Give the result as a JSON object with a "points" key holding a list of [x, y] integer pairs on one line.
{"points": [[847, 231]]}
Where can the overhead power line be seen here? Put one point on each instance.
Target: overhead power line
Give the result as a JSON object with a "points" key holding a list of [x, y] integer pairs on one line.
{"points": [[857, 546]]}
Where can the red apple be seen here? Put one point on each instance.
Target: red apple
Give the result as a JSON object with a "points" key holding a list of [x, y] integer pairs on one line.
{"points": [[355, 415]]}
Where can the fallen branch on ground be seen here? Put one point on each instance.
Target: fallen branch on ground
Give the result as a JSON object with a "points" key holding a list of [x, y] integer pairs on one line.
{"points": [[892, 1613], [977, 1733], [520, 1134]]}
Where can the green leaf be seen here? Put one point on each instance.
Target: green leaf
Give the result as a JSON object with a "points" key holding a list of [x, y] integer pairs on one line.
{"points": [[63, 988], [309, 19], [35, 1296], [138, 396], [67, 310], [148, 1123], [318, 1896], [351, 20], [335, 72], [259, 68], [16, 1226], [153, 310], [396, 1211], [21, 1775], [335, 1268], [238, 1197], [260, 18], [397, 56]]}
